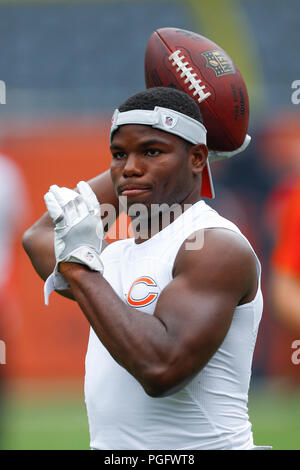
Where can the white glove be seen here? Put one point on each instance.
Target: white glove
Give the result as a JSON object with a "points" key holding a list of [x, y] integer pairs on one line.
{"points": [[78, 232]]}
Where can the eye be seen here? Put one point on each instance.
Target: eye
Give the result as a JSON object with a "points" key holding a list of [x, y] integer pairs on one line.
{"points": [[153, 152], [119, 155]]}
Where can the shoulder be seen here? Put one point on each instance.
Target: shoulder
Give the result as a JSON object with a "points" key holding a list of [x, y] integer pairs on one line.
{"points": [[216, 246], [218, 259]]}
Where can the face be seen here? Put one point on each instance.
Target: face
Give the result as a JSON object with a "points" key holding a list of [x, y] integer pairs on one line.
{"points": [[150, 166]]}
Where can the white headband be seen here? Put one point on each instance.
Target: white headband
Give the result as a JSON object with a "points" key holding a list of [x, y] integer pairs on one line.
{"points": [[164, 119]]}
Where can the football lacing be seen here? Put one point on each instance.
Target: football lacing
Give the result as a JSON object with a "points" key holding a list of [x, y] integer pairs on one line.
{"points": [[186, 71]]}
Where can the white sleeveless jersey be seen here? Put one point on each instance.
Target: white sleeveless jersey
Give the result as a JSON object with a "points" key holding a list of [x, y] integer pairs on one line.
{"points": [[211, 411]]}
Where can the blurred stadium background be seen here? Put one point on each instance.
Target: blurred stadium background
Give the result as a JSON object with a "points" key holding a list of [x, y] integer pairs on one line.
{"points": [[66, 66]]}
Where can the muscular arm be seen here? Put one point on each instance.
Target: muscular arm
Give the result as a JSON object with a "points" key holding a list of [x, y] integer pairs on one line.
{"points": [[192, 316], [38, 239]]}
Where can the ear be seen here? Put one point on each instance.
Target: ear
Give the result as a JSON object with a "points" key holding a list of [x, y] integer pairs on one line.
{"points": [[198, 158]]}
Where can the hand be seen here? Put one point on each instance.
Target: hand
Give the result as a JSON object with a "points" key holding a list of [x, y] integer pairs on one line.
{"points": [[78, 230]]}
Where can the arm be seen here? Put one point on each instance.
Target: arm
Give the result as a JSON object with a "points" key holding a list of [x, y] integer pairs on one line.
{"points": [[285, 292], [192, 316], [38, 239]]}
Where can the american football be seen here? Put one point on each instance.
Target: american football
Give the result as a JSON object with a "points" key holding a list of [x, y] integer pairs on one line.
{"points": [[194, 64]]}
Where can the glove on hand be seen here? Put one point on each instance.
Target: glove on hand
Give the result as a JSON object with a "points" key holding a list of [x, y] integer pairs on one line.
{"points": [[78, 232]]}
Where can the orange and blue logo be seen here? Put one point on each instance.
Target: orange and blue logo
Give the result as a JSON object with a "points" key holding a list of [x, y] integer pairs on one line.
{"points": [[142, 292]]}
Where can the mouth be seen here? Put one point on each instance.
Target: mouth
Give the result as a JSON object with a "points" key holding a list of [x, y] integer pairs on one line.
{"points": [[133, 190]]}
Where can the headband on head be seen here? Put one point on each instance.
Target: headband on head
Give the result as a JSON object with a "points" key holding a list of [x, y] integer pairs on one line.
{"points": [[164, 119], [171, 121]]}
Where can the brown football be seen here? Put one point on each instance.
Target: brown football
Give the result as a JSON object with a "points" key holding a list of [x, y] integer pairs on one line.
{"points": [[194, 64]]}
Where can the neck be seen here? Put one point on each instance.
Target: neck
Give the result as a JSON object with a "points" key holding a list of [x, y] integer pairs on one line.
{"points": [[160, 216]]}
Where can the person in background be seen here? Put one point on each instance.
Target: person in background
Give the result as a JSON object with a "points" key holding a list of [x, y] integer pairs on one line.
{"points": [[280, 149], [286, 265], [13, 213]]}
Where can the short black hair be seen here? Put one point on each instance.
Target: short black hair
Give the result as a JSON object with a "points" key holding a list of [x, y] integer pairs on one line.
{"points": [[165, 97]]}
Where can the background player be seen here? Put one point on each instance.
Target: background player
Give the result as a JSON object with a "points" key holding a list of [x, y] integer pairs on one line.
{"points": [[13, 213]]}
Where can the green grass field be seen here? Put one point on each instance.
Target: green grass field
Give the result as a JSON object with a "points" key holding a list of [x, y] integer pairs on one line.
{"points": [[275, 417], [56, 419]]}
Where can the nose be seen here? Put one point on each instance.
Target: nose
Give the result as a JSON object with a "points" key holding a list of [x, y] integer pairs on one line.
{"points": [[133, 166]]}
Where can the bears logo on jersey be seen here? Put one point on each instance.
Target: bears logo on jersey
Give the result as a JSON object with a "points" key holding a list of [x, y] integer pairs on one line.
{"points": [[142, 292]]}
